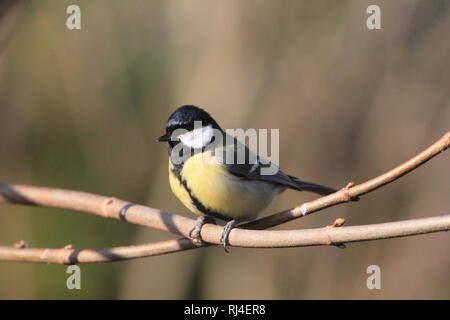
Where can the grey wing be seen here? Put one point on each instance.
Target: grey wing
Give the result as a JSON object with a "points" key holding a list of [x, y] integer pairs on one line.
{"points": [[244, 163], [248, 165]]}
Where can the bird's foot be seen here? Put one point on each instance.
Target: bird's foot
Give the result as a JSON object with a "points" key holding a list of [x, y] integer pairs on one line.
{"points": [[194, 233], [226, 232]]}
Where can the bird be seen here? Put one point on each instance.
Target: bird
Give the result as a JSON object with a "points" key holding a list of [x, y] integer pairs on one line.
{"points": [[205, 176]]}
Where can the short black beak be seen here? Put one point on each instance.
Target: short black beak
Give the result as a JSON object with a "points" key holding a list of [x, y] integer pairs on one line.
{"points": [[164, 138]]}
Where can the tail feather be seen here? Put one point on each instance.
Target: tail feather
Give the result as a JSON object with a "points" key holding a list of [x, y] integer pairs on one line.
{"points": [[313, 187]]}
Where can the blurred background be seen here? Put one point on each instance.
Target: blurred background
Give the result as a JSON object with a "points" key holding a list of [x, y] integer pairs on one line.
{"points": [[80, 109]]}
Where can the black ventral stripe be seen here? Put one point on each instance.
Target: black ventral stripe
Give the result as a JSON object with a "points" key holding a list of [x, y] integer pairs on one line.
{"points": [[177, 172]]}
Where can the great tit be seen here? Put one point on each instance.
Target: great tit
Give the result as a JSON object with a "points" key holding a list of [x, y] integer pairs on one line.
{"points": [[207, 179]]}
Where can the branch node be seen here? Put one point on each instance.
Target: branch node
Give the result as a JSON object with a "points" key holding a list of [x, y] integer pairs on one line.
{"points": [[339, 222], [106, 203], [336, 224], [21, 244], [346, 192]]}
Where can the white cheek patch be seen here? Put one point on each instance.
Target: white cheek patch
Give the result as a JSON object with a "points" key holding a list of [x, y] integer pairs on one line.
{"points": [[197, 138]]}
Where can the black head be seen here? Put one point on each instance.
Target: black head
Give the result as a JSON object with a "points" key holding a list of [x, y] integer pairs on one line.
{"points": [[184, 118]]}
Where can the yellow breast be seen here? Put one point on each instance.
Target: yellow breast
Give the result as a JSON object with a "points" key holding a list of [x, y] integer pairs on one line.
{"points": [[180, 191], [219, 191]]}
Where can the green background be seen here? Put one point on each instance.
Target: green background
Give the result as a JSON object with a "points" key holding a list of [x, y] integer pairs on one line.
{"points": [[81, 110]]}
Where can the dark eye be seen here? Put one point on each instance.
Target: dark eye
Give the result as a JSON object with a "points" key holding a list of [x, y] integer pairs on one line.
{"points": [[173, 143], [188, 126]]}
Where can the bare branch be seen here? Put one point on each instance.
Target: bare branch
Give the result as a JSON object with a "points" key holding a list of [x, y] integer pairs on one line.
{"points": [[74, 256], [142, 215], [350, 192], [256, 239]]}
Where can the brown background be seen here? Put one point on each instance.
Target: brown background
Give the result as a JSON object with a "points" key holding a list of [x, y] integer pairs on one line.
{"points": [[81, 110]]}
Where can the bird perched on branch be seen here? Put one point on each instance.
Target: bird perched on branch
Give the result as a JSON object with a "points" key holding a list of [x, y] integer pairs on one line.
{"points": [[216, 176]]}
